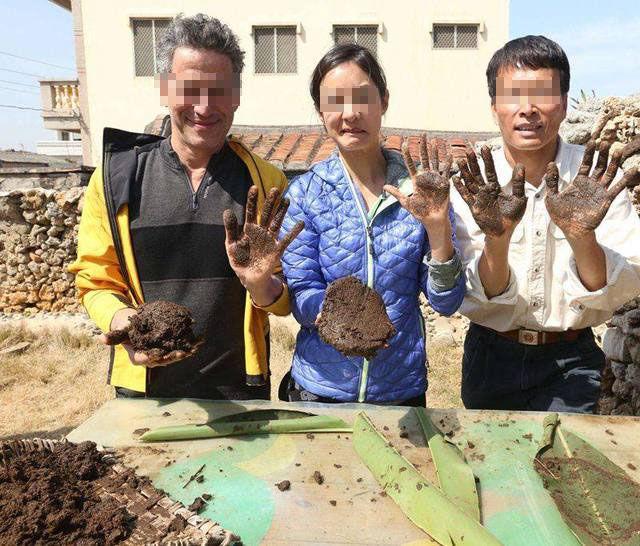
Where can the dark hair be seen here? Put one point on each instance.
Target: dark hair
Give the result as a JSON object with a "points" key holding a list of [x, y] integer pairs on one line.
{"points": [[344, 53], [532, 52], [199, 32]]}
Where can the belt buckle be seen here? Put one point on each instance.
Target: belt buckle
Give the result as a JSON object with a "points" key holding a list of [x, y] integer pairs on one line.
{"points": [[528, 337]]}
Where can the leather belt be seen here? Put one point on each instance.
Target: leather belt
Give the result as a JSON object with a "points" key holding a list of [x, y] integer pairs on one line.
{"points": [[533, 337]]}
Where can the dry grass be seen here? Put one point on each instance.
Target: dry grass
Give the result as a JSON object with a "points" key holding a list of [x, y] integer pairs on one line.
{"points": [[60, 379], [283, 341], [445, 366], [54, 385]]}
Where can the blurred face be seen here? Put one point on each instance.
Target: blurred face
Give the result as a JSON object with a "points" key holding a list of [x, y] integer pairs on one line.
{"points": [[351, 108], [202, 93], [529, 107]]}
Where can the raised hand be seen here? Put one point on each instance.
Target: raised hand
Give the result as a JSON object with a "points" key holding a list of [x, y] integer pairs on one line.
{"points": [[429, 202], [255, 253], [580, 207], [495, 212]]}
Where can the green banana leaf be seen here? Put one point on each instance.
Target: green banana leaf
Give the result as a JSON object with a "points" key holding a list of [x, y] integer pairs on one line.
{"points": [[596, 498], [262, 415], [455, 476], [314, 423], [420, 501]]}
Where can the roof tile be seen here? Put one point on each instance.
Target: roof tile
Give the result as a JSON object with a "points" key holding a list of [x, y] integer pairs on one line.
{"points": [[284, 149], [265, 146], [301, 157], [297, 150]]}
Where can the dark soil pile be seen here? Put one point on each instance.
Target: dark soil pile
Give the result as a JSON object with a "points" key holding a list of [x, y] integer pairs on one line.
{"points": [[354, 319], [49, 497], [158, 328]]}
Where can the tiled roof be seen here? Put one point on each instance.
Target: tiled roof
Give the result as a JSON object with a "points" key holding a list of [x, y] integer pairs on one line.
{"points": [[295, 149], [9, 158], [292, 150]]}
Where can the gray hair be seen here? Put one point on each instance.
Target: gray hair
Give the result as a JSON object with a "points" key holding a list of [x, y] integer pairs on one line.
{"points": [[199, 32]]}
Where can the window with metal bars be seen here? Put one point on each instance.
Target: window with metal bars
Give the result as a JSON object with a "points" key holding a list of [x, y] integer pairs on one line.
{"points": [[455, 36], [275, 50], [364, 35], [146, 35]]}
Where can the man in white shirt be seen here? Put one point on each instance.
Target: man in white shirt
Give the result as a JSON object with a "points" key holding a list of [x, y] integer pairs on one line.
{"points": [[551, 246]]}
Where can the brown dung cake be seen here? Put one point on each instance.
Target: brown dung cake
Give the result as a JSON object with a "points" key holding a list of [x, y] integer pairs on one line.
{"points": [[157, 329], [354, 319]]}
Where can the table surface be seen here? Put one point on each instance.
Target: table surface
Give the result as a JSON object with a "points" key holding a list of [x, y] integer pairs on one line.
{"points": [[349, 507]]}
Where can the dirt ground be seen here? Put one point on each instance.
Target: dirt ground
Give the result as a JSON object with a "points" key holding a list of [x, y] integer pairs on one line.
{"points": [[58, 379]]}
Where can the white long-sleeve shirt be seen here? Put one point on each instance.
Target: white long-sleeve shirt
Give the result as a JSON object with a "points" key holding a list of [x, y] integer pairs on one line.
{"points": [[544, 291]]}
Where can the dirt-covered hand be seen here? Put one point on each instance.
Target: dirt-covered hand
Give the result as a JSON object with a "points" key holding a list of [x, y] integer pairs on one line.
{"points": [[255, 252], [580, 207], [632, 148], [429, 202], [495, 211], [155, 334]]}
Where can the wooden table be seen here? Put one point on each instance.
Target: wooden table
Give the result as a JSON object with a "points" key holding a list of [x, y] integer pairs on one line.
{"points": [[349, 507]]}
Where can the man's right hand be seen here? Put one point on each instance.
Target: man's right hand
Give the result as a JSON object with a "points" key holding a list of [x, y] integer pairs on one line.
{"points": [[120, 324], [496, 213]]}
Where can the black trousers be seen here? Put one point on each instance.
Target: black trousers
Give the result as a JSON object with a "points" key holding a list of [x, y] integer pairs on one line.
{"points": [[499, 373]]}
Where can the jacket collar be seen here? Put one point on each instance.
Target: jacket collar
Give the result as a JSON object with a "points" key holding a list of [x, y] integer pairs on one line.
{"points": [[172, 159], [331, 170]]}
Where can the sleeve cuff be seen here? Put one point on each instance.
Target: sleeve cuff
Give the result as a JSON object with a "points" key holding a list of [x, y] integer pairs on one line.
{"points": [[280, 307], [578, 294], [102, 305], [475, 289], [443, 276]]}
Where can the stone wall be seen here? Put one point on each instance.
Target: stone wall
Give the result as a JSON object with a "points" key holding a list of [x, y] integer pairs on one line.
{"points": [[621, 377], [38, 238], [49, 178]]}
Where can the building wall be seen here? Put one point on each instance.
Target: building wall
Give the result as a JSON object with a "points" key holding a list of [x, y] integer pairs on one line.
{"points": [[430, 89]]}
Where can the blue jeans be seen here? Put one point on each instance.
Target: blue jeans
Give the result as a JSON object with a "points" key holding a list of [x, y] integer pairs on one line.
{"points": [[498, 373]]}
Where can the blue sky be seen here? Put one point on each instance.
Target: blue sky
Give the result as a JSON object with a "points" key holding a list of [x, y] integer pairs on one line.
{"points": [[601, 40]]}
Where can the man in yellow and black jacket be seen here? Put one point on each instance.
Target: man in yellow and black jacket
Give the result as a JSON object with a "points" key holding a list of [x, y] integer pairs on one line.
{"points": [[152, 228]]}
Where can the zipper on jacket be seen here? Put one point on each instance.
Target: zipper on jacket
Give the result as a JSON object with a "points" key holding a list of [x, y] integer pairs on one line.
{"points": [[112, 213], [371, 254], [370, 280], [194, 194]]}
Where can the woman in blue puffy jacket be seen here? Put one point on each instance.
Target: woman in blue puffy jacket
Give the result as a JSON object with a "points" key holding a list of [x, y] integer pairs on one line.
{"points": [[368, 214]]}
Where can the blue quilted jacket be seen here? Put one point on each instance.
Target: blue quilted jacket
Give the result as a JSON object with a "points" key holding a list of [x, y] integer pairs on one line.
{"points": [[388, 253]]}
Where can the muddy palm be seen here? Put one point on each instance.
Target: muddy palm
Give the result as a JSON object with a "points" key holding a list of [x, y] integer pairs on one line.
{"points": [[495, 211], [255, 251], [580, 207]]}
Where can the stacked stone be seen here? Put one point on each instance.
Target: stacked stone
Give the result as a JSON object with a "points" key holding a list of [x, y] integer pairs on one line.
{"points": [[621, 377], [612, 119], [38, 239]]}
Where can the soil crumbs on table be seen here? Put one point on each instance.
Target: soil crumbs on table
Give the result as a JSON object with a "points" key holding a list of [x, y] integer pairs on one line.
{"points": [[50, 497]]}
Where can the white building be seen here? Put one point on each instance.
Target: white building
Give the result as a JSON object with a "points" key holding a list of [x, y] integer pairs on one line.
{"points": [[61, 113], [434, 54]]}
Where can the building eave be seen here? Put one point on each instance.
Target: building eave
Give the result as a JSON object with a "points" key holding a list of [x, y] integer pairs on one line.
{"points": [[66, 4]]}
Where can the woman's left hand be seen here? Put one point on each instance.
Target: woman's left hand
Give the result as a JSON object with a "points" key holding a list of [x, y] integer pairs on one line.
{"points": [[429, 202]]}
